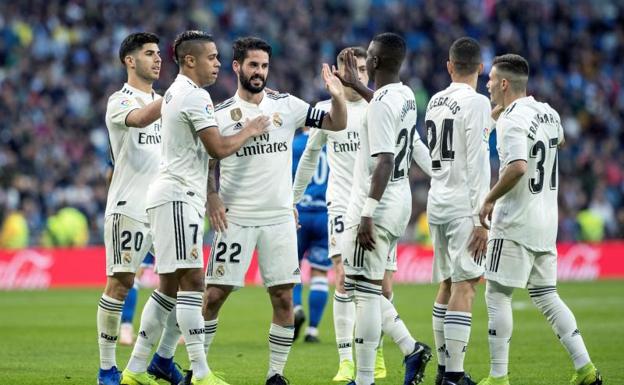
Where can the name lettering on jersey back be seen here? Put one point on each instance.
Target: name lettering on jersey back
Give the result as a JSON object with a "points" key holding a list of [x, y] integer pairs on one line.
{"points": [[444, 101], [262, 145], [150, 138], [409, 105], [541, 119], [351, 145]]}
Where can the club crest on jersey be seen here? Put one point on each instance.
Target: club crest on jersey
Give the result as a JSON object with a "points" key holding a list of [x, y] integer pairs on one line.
{"points": [[236, 114], [277, 120], [194, 254], [125, 103], [127, 258], [333, 241], [220, 272]]}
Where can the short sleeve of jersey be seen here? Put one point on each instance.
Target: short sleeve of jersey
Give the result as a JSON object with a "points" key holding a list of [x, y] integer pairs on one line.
{"points": [[560, 132], [199, 110], [380, 121], [305, 115], [119, 106], [514, 142]]}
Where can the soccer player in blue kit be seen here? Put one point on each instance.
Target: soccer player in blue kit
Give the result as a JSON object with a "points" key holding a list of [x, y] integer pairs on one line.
{"points": [[312, 241]]}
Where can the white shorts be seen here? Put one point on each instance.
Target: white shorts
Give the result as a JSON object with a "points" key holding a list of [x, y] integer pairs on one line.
{"points": [[127, 241], [452, 259], [232, 251], [178, 231], [371, 264], [335, 230], [511, 264]]}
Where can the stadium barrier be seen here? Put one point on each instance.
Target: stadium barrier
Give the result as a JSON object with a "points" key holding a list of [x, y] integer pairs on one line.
{"points": [[84, 267]]}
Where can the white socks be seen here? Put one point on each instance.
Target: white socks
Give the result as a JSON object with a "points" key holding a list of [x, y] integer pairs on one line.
{"points": [[280, 341], [344, 319], [439, 312], [367, 329], [108, 320], [394, 326], [500, 325], [153, 320], [562, 321], [456, 335], [191, 321], [170, 336], [210, 329]]}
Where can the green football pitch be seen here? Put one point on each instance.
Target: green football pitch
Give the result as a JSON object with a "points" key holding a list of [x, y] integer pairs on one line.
{"points": [[49, 337]]}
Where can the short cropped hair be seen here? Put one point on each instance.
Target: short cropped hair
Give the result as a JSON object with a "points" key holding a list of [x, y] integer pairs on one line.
{"points": [[186, 43], [358, 52], [392, 51], [465, 54], [134, 42], [243, 45], [514, 68]]}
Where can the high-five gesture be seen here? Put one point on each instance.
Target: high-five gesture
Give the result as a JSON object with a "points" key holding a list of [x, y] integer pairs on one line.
{"points": [[349, 77], [332, 83]]}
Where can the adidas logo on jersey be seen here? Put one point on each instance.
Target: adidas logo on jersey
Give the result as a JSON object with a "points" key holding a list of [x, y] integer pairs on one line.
{"points": [[297, 272]]}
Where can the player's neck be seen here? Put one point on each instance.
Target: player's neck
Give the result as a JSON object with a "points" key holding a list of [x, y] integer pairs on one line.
{"points": [[383, 79], [471, 80], [510, 98], [250, 97], [139, 83]]}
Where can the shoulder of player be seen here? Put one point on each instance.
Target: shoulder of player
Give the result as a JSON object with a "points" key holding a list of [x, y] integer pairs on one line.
{"points": [[278, 96], [225, 104], [323, 105]]}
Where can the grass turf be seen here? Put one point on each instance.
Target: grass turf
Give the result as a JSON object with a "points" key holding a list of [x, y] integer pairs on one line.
{"points": [[49, 337]]}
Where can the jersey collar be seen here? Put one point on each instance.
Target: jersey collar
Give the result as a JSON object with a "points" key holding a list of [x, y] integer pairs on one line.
{"points": [[138, 91], [454, 85], [248, 104], [186, 79], [388, 86]]}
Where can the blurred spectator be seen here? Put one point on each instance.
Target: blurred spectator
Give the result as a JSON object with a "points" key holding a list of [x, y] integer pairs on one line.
{"points": [[67, 228], [58, 64], [14, 231]]}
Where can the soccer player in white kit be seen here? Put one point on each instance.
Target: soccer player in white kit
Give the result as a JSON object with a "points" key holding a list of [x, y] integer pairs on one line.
{"points": [[379, 208], [342, 148], [522, 212], [133, 122], [255, 186], [176, 201], [458, 126]]}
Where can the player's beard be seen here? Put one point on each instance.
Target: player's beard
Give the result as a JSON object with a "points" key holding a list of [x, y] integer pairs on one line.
{"points": [[246, 83]]}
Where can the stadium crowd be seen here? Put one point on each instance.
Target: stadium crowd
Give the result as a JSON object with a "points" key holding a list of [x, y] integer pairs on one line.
{"points": [[59, 64]]}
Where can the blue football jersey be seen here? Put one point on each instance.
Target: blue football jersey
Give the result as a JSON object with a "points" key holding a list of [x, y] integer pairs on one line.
{"points": [[314, 196]]}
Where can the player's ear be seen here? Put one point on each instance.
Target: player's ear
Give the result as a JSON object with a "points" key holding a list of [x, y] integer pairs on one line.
{"points": [[449, 67], [129, 60], [189, 60], [235, 66], [481, 68]]}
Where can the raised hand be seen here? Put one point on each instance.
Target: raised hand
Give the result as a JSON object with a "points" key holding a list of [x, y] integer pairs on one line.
{"points": [[350, 76], [332, 83]]}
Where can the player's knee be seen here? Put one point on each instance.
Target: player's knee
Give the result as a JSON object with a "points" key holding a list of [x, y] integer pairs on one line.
{"points": [[281, 297], [544, 298], [191, 280], [118, 286], [497, 293], [214, 297]]}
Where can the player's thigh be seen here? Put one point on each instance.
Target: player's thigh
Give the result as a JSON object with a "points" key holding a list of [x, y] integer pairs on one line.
{"points": [[335, 231], [370, 264], [442, 268], [126, 242], [277, 254], [178, 231], [463, 265], [507, 263], [544, 271], [230, 255]]}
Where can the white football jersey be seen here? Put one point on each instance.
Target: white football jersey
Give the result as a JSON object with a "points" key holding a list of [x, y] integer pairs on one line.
{"points": [[256, 182], [342, 148], [183, 173], [389, 127], [135, 153], [528, 214], [458, 126]]}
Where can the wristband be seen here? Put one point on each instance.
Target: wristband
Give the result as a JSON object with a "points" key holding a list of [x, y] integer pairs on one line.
{"points": [[369, 207]]}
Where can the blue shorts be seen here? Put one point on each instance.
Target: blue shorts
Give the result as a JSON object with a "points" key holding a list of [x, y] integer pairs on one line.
{"points": [[148, 261], [312, 239]]}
